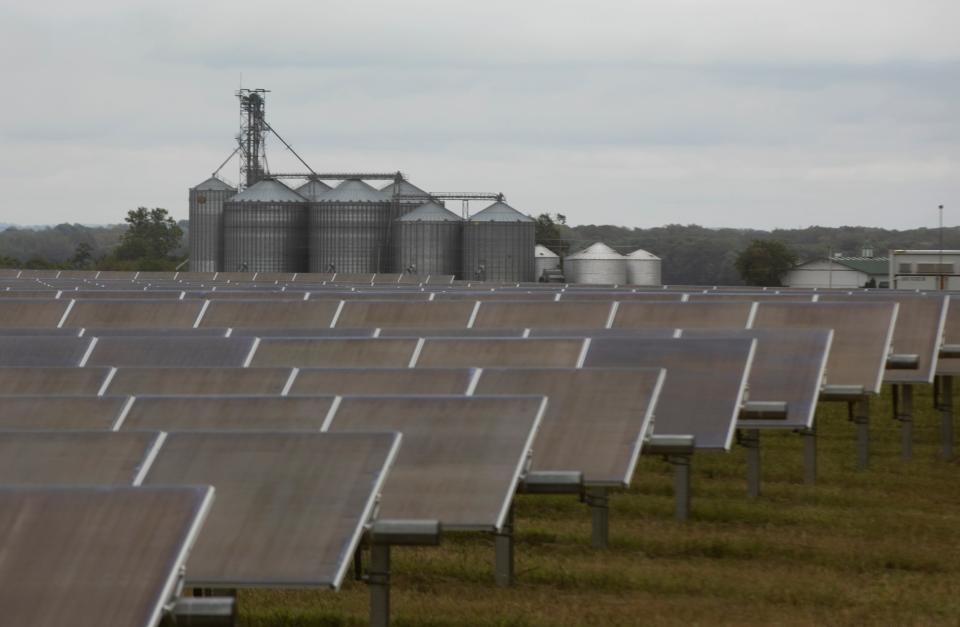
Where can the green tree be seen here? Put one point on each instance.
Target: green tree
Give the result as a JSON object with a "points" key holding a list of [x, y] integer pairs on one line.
{"points": [[764, 262], [151, 234], [82, 256], [548, 232]]}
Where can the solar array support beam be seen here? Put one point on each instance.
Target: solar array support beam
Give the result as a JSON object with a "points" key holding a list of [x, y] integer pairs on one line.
{"points": [[946, 416], [678, 451], [599, 501], [381, 535], [903, 413], [503, 552], [217, 611], [809, 454], [750, 441], [861, 418]]}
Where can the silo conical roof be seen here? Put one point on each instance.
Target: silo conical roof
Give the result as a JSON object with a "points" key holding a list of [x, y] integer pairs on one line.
{"points": [[598, 250], [311, 190], [268, 190], [352, 190], [213, 184], [430, 212], [542, 251], [406, 189], [641, 254], [500, 212]]}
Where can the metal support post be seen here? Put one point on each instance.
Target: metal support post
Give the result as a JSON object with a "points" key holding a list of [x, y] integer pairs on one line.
{"points": [[861, 418], [681, 486], [750, 440], [503, 546], [378, 579], [598, 501], [904, 414], [809, 455], [946, 416]]}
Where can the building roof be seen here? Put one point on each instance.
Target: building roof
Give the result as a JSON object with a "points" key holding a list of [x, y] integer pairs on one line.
{"points": [[542, 251], [867, 265], [597, 250], [267, 190], [500, 212], [353, 190], [312, 189], [406, 189], [430, 212], [213, 184]]}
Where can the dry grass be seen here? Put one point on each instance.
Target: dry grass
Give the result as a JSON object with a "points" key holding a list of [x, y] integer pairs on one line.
{"points": [[875, 547]]}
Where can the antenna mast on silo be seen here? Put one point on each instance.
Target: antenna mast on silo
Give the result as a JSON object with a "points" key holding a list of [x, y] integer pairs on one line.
{"points": [[251, 140]]}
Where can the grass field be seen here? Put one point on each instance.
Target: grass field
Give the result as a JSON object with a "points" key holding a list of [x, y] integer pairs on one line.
{"points": [[875, 547]]}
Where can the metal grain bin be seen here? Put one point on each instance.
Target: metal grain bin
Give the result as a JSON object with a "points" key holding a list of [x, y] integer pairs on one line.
{"points": [[399, 192], [206, 224], [597, 263], [544, 259], [643, 268], [265, 229], [498, 245], [349, 228], [311, 190], [427, 241]]}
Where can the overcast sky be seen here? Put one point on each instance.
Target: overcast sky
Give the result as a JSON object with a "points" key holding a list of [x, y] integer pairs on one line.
{"points": [[740, 113]]}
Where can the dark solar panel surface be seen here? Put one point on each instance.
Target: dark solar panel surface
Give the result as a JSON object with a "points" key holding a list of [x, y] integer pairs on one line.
{"points": [[213, 413], [461, 456], [290, 509]]}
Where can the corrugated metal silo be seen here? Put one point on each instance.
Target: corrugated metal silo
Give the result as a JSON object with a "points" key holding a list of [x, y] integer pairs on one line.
{"points": [[265, 229], [206, 224], [428, 241], [498, 245], [643, 268], [400, 189], [311, 190], [597, 263], [544, 259], [348, 229]]}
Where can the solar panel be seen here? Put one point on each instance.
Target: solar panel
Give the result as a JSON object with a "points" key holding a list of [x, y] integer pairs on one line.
{"points": [[180, 352], [196, 381], [424, 332], [418, 381], [951, 337], [335, 353], [153, 332], [346, 277], [143, 314], [318, 333], [788, 366], [22, 294], [14, 332], [917, 331], [861, 335], [95, 557], [595, 421], [228, 294], [136, 294], [723, 315], [233, 413], [32, 313], [294, 314], [24, 350], [52, 381], [339, 294], [661, 295], [38, 458], [549, 315], [500, 352], [291, 507], [432, 315], [649, 333], [756, 296], [461, 458], [494, 296], [705, 383], [235, 277]]}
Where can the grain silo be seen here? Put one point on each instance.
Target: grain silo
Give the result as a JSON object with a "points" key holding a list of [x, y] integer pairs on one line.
{"points": [[348, 229], [498, 245], [643, 268], [206, 224], [399, 193], [312, 189], [597, 264], [428, 241], [265, 229], [544, 259]]}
